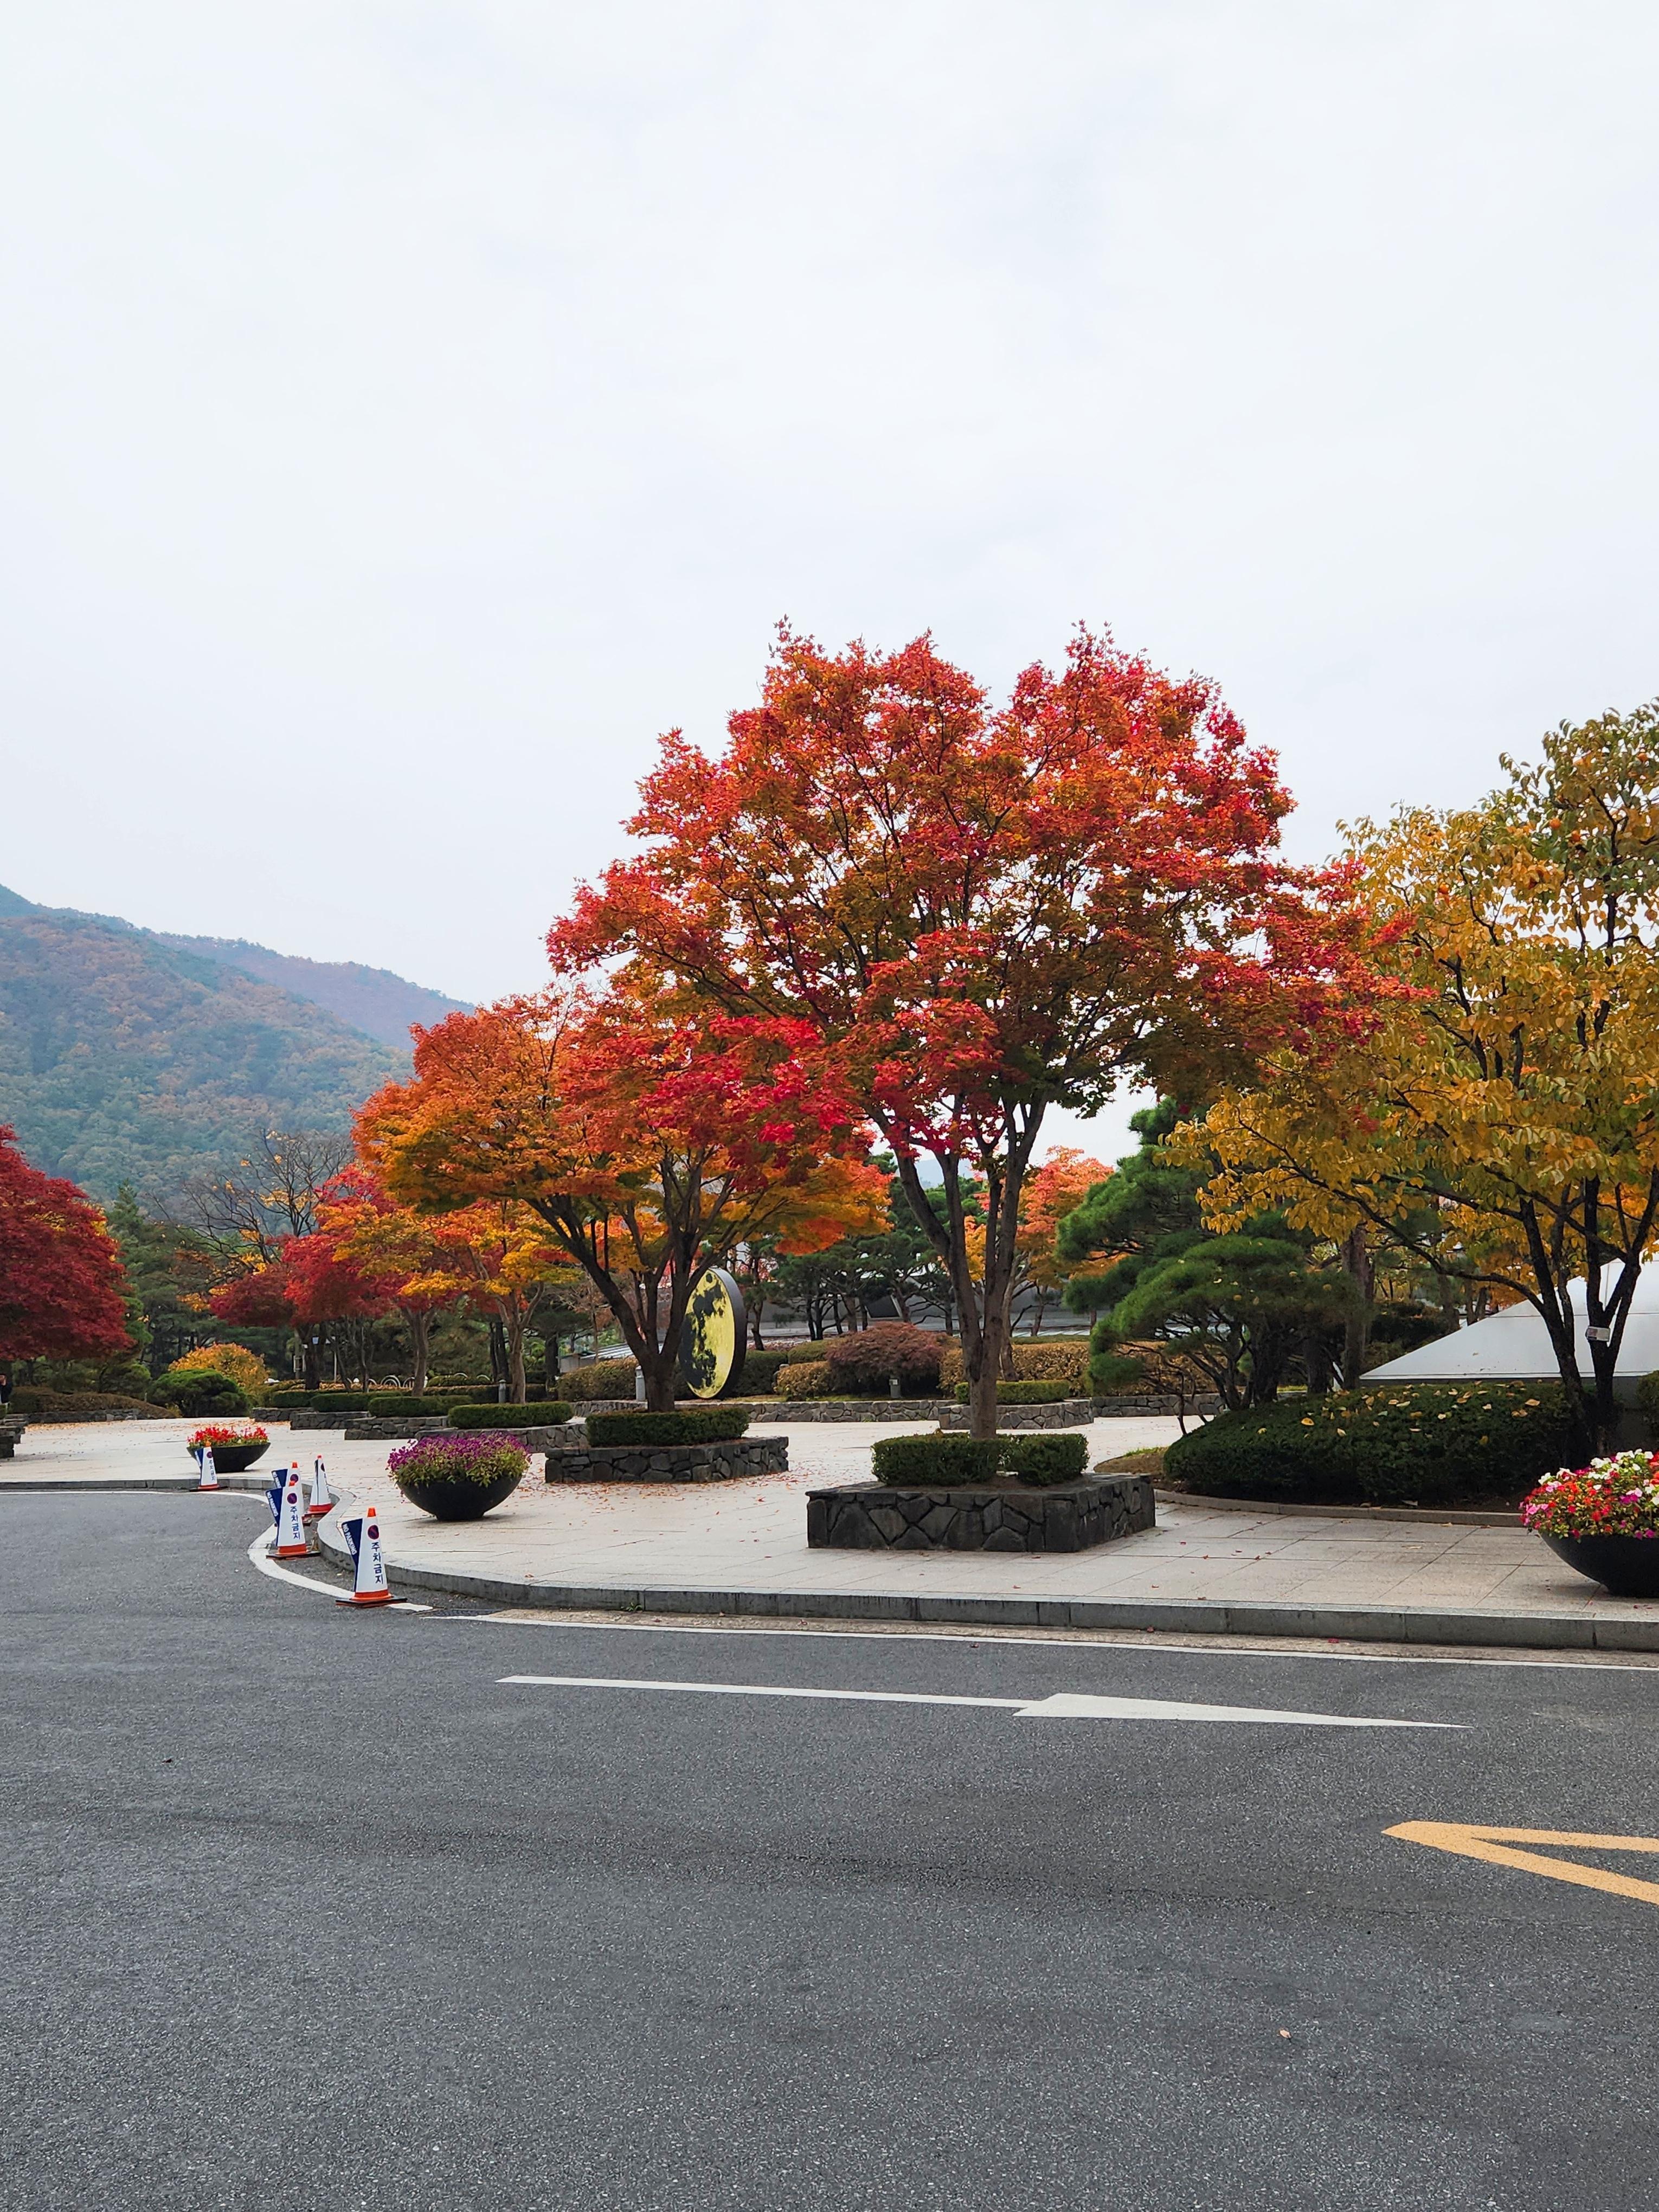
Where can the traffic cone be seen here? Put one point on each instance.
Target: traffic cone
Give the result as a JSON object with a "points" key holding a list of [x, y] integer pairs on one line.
{"points": [[290, 1523], [363, 1534], [207, 1475], [322, 1498]]}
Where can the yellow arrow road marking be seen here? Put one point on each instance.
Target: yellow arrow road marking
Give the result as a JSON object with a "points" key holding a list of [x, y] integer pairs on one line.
{"points": [[1471, 1843]]}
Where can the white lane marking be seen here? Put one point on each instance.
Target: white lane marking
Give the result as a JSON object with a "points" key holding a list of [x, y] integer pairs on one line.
{"points": [[988, 1633], [261, 1545], [1074, 1705], [1063, 1706]]}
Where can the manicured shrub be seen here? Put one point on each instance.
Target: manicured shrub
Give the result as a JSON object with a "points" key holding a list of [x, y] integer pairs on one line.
{"points": [[548, 1414], [928, 1462], [243, 1367], [1046, 1457], [1025, 1393], [718, 1425], [604, 1378], [199, 1391], [400, 1403], [804, 1378], [863, 1365], [809, 1348], [1423, 1443]]}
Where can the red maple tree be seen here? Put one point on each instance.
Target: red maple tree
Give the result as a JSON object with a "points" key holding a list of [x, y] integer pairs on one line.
{"points": [[981, 913], [644, 1145], [61, 1278]]}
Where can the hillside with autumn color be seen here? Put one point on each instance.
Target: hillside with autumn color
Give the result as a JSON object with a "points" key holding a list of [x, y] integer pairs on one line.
{"points": [[128, 1056]]}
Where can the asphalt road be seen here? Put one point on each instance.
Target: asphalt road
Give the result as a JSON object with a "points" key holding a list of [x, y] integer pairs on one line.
{"points": [[309, 1908]]}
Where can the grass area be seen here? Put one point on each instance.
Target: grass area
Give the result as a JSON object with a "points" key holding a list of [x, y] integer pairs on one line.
{"points": [[1147, 1461]]}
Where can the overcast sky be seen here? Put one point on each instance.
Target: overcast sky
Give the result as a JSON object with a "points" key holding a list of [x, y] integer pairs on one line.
{"points": [[408, 411]]}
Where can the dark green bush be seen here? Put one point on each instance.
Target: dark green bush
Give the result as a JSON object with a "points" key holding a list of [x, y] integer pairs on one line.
{"points": [[199, 1391], [31, 1401], [760, 1370], [1056, 1457], [930, 1462], [400, 1403], [1026, 1393], [1421, 1444], [718, 1426], [1110, 1372], [1647, 1400], [547, 1414]]}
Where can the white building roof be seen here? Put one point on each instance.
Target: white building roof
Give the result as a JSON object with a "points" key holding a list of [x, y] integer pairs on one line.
{"points": [[1514, 1346]]}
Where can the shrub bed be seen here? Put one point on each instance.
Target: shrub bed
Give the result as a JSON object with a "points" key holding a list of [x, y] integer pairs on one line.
{"points": [[1036, 1359], [717, 1425], [863, 1365], [804, 1378], [924, 1462], [33, 1402], [604, 1378], [1025, 1393], [547, 1414], [1426, 1443]]}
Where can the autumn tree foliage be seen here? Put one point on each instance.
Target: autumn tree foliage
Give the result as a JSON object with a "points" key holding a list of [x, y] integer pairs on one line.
{"points": [[977, 912], [646, 1144], [1052, 1191], [393, 1254], [61, 1280], [1500, 1125]]}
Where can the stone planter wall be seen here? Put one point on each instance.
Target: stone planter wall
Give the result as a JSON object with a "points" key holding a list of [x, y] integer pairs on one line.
{"points": [[723, 1462], [373, 1428], [1068, 1516]]}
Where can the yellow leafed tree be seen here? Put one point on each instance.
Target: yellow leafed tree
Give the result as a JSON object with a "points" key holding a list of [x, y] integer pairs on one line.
{"points": [[1500, 1120]]}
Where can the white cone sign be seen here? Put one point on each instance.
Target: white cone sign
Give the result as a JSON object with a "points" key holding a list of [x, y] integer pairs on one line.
{"points": [[322, 1498], [290, 1522], [207, 1474], [362, 1533]]}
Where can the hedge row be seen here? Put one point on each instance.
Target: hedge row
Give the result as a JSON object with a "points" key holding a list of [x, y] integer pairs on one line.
{"points": [[1036, 1359], [1424, 1444], [717, 1425], [545, 1413], [928, 1462], [1027, 1394]]}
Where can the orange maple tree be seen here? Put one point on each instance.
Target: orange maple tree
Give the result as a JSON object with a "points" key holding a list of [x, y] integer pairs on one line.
{"points": [[977, 913], [1055, 1188], [646, 1144]]}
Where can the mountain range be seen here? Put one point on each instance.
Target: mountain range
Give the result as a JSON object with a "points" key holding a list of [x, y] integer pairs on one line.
{"points": [[127, 1055]]}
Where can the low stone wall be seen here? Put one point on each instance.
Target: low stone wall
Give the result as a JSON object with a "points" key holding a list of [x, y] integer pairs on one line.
{"points": [[374, 1428], [723, 1462], [1067, 1516]]}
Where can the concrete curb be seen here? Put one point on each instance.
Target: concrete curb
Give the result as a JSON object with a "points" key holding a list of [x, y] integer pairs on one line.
{"points": [[70, 1486], [1537, 1632]]}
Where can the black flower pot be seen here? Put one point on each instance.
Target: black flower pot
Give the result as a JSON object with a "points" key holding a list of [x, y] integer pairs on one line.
{"points": [[1626, 1566], [235, 1459], [453, 1497]]}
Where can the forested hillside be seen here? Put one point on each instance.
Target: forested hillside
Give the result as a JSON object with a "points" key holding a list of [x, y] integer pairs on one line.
{"points": [[372, 999], [124, 1056]]}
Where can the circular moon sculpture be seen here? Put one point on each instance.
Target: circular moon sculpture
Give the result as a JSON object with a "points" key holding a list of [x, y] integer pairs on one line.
{"points": [[715, 1336]]}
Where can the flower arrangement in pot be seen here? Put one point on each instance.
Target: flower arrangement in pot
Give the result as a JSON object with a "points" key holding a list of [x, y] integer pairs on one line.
{"points": [[1603, 1520], [234, 1449], [458, 1478]]}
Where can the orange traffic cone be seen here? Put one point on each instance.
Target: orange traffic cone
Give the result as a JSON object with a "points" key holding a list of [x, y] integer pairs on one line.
{"points": [[363, 1534], [322, 1498], [290, 1523], [207, 1475]]}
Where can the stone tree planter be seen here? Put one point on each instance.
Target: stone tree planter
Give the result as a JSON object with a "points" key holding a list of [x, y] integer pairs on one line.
{"points": [[1003, 1515]]}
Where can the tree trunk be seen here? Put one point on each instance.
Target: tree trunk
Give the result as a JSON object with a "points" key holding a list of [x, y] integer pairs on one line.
{"points": [[311, 1366], [420, 1326], [514, 1332], [1357, 1331]]}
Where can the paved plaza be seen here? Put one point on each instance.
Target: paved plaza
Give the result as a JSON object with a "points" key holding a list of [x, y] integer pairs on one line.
{"points": [[742, 1546]]}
